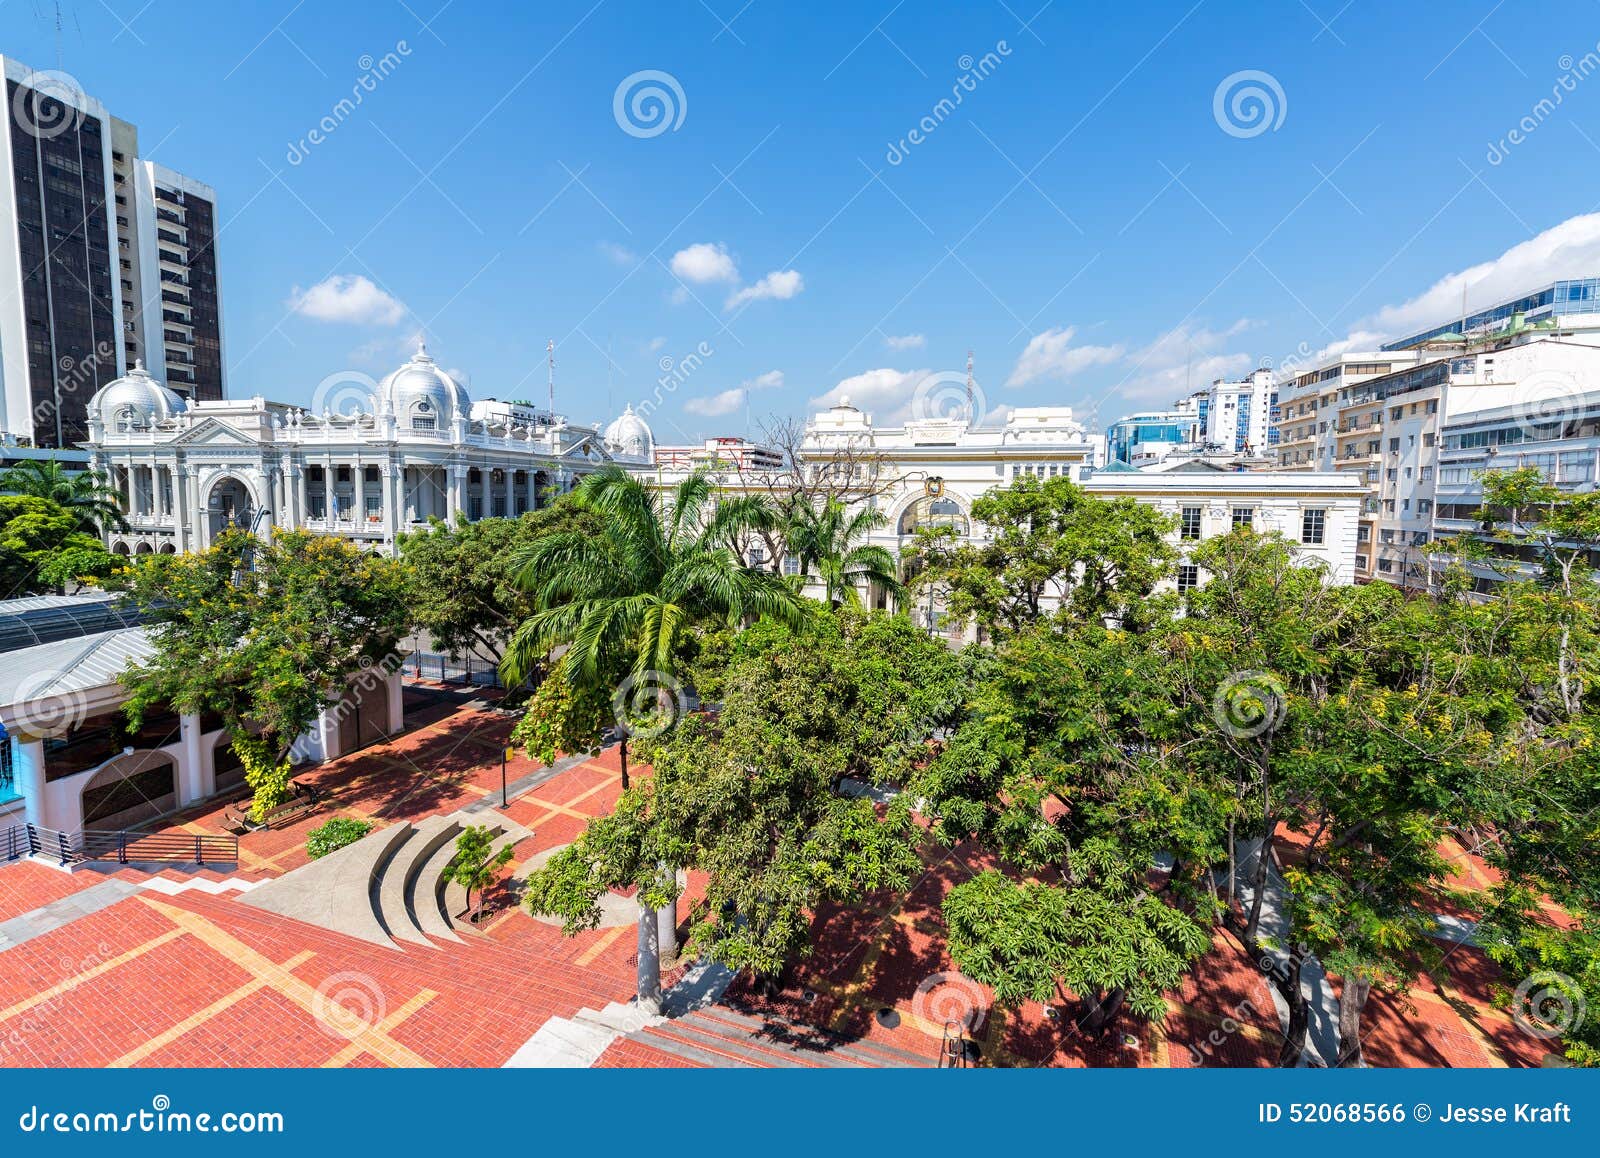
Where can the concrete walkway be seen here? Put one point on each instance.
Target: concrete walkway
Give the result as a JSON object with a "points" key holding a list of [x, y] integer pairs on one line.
{"points": [[48, 918]]}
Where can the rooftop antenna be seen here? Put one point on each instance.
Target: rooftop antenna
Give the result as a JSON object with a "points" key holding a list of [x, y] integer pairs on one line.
{"points": [[969, 387], [550, 355]]}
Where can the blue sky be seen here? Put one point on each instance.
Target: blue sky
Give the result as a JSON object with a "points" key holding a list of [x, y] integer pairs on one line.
{"points": [[1084, 219]]}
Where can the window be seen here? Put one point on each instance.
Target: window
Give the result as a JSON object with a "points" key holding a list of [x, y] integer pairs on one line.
{"points": [[791, 563], [1313, 522], [1189, 527], [1244, 517], [1363, 534], [475, 507], [1188, 577], [1394, 446], [374, 508], [318, 506], [1424, 506]]}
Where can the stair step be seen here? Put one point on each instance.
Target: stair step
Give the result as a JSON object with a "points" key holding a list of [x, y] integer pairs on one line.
{"points": [[866, 1051], [783, 1054], [340, 891], [742, 1051], [395, 900]]}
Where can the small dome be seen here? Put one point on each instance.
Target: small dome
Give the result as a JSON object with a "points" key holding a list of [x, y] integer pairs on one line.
{"points": [[136, 401], [630, 437], [421, 389]]}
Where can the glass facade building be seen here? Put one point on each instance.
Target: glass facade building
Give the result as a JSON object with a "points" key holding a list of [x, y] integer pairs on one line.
{"points": [[1559, 299]]}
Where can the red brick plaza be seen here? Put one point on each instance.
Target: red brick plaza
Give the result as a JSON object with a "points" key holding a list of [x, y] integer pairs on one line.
{"points": [[170, 969]]}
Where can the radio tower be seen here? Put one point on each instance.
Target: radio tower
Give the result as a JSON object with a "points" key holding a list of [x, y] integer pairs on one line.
{"points": [[969, 387], [550, 355]]}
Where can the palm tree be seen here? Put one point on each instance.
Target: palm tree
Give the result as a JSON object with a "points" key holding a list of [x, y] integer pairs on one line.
{"points": [[828, 541], [623, 599], [87, 493]]}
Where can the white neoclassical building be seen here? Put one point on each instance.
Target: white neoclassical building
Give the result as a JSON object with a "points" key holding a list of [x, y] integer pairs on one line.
{"points": [[412, 447]]}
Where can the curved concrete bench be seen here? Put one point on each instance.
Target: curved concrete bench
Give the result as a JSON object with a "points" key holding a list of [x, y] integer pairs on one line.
{"points": [[339, 891], [428, 892], [400, 875], [455, 897]]}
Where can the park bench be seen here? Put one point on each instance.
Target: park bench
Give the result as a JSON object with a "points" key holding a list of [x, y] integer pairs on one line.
{"points": [[305, 799]]}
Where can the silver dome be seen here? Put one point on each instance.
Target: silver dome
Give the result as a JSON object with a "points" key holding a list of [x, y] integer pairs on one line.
{"points": [[421, 389], [136, 401], [629, 436]]}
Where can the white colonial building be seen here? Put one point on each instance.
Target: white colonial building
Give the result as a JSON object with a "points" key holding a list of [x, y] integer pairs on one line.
{"points": [[405, 450]]}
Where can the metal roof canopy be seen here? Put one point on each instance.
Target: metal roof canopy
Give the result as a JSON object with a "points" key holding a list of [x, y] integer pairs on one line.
{"points": [[51, 618]]}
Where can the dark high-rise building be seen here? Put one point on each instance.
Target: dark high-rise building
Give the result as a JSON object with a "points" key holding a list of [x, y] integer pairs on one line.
{"points": [[105, 260]]}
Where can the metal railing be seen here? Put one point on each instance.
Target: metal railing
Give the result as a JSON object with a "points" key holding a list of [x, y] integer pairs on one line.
{"points": [[177, 847], [124, 847], [470, 670]]}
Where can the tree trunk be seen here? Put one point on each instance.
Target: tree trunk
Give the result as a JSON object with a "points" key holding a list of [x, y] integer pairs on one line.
{"points": [[1102, 1010], [1259, 885], [1294, 1038], [1352, 1001], [624, 761], [649, 973], [667, 931]]}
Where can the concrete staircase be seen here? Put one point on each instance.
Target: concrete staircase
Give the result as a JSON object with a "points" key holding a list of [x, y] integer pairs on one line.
{"points": [[387, 887], [577, 1042], [717, 1036]]}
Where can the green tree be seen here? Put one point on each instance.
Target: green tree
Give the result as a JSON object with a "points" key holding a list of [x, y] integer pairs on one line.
{"points": [[827, 541], [476, 864], [87, 494], [622, 601], [460, 580], [766, 798], [42, 547], [264, 634], [1051, 541]]}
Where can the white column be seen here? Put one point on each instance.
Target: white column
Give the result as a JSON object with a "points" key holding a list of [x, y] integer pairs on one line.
{"points": [[358, 481], [196, 780], [27, 768]]}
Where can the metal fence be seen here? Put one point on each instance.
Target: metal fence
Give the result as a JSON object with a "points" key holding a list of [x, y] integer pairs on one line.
{"points": [[469, 671]]}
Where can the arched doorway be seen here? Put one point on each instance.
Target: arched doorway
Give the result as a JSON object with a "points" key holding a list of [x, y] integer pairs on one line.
{"points": [[119, 548], [130, 789], [229, 505], [144, 549], [167, 549]]}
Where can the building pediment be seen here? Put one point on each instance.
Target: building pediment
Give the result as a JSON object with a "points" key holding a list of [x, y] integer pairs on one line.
{"points": [[211, 433]]}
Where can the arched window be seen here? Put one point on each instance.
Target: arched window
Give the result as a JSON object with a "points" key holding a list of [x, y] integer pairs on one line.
{"points": [[423, 417], [933, 512]]}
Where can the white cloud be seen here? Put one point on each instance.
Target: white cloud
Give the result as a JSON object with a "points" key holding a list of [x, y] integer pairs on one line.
{"points": [[655, 344], [1570, 249], [347, 298], [771, 380], [905, 341], [884, 393], [388, 349], [1052, 355], [1184, 359], [779, 285], [618, 254], [717, 405], [704, 262]]}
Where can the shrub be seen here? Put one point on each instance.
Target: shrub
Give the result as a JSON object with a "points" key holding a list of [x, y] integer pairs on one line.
{"points": [[334, 835]]}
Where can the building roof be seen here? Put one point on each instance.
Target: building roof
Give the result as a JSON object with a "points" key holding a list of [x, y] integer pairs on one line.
{"points": [[45, 619], [71, 666]]}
